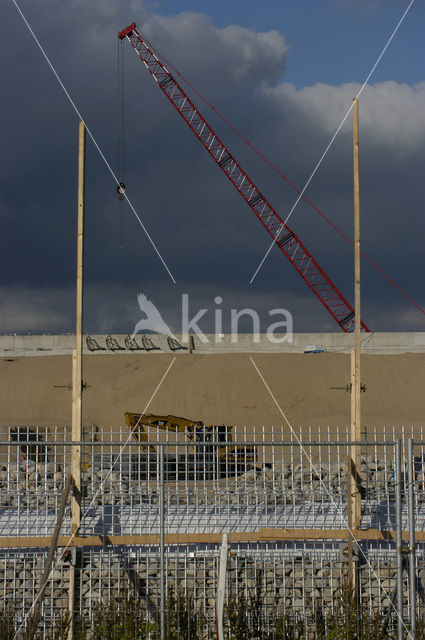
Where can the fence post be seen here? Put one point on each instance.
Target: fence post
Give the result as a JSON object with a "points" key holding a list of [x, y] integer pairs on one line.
{"points": [[399, 541], [351, 560], [412, 555], [161, 541], [71, 595], [221, 587]]}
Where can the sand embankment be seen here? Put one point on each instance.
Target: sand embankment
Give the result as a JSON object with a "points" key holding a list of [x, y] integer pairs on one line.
{"points": [[215, 388]]}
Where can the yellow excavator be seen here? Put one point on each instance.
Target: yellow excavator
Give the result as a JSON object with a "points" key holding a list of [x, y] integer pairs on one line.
{"points": [[231, 458]]}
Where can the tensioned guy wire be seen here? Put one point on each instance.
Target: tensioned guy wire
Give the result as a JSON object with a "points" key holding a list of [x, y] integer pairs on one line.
{"points": [[101, 485], [322, 157], [303, 449], [111, 171]]}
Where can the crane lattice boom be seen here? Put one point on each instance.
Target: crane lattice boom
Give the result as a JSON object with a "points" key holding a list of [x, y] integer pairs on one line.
{"points": [[286, 239]]}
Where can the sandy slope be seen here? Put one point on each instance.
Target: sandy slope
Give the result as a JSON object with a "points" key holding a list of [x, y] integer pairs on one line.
{"points": [[215, 389]]}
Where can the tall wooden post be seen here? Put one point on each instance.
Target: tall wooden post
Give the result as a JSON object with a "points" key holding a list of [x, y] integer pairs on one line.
{"points": [[356, 419], [352, 498], [354, 506], [77, 377], [77, 358]]}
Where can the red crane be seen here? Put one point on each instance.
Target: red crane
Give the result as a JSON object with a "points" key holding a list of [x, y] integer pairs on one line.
{"points": [[286, 239]]}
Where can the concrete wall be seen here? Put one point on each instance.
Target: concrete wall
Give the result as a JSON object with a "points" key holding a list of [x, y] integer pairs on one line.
{"points": [[384, 343]]}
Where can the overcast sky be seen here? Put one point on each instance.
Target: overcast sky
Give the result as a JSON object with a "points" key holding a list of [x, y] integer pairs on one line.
{"points": [[283, 73]]}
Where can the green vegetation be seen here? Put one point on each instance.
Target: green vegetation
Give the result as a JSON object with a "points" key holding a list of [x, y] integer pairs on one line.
{"points": [[126, 618]]}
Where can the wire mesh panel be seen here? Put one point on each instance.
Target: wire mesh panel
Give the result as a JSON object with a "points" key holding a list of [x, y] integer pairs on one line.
{"points": [[153, 514], [32, 477]]}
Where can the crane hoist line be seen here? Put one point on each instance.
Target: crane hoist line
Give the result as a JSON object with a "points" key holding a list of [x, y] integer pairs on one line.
{"points": [[286, 239]]}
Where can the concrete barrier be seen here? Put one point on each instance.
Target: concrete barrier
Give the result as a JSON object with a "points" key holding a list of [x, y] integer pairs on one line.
{"points": [[373, 343]]}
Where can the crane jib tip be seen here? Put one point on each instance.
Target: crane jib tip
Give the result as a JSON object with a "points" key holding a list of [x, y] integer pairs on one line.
{"points": [[125, 32]]}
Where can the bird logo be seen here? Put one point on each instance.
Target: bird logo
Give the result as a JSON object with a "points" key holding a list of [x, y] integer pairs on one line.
{"points": [[153, 321]]}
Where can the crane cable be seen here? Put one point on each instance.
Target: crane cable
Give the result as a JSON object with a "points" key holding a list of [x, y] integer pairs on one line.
{"points": [[121, 138], [283, 177]]}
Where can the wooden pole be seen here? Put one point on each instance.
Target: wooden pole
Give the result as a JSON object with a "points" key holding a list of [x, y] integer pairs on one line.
{"points": [[354, 498], [353, 395], [352, 487], [356, 418], [75, 451], [77, 359], [259, 535], [77, 375], [354, 449], [354, 466]]}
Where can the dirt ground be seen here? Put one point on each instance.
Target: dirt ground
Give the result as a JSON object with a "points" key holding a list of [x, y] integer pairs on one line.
{"points": [[217, 389]]}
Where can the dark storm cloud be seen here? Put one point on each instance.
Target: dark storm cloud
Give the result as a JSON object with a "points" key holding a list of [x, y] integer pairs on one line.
{"points": [[209, 238]]}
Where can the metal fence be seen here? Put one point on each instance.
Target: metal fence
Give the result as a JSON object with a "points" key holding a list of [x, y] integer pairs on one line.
{"points": [[153, 517]]}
